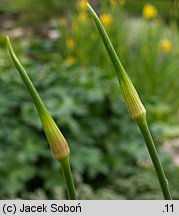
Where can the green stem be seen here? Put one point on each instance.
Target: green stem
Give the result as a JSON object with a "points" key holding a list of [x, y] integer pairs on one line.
{"points": [[35, 96], [120, 71], [66, 170], [135, 107], [58, 144], [142, 123]]}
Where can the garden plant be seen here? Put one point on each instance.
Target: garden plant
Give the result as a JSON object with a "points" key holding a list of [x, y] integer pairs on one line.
{"points": [[134, 105], [58, 143], [75, 89]]}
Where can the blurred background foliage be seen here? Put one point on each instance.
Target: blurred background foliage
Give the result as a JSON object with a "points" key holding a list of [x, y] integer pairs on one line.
{"points": [[59, 46]]}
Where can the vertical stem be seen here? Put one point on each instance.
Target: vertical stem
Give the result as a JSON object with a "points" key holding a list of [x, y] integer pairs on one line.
{"points": [[33, 92], [66, 170], [54, 136], [142, 123], [135, 107]]}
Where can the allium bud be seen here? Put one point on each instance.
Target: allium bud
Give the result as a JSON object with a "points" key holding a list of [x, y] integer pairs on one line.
{"points": [[130, 95], [58, 143], [134, 105]]}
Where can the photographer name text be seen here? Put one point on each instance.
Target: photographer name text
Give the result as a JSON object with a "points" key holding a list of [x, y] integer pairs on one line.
{"points": [[53, 208]]}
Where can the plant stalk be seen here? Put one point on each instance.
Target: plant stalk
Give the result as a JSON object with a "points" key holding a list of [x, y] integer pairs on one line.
{"points": [[66, 170], [143, 126], [58, 143], [135, 107]]}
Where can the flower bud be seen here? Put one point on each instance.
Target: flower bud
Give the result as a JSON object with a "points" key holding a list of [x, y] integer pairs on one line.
{"points": [[134, 105], [58, 143], [131, 98]]}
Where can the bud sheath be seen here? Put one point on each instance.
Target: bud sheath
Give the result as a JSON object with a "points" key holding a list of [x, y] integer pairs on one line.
{"points": [[58, 143], [135, 107]]}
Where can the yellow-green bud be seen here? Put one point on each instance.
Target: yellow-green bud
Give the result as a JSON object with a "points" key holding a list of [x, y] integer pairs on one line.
{"points": [[58, 143], [131, 98], [134, 105]]}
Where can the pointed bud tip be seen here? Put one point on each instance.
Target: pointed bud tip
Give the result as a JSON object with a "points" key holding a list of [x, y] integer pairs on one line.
{"points": [[88, 4], [135, 107], [89, 7], [91, 10], [58, 143], [8, 41], [10, 49]]}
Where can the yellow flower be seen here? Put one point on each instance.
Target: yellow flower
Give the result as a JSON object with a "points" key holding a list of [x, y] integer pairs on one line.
{"points": [[114, 2], [83, 17], [106, 19], [70, 43], [82, 4], [122, 2], [166, 45], [149, 11], [70, 60]]}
